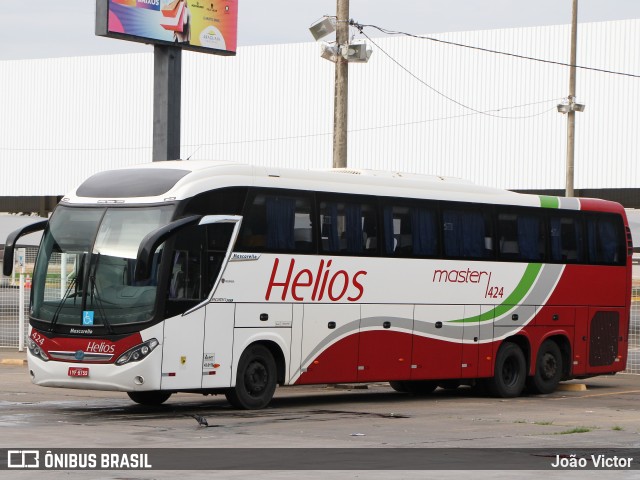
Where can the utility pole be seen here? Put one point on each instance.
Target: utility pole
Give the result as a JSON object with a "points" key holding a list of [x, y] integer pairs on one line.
{"points": [[341, 95], [167, 73], [571, 114]]}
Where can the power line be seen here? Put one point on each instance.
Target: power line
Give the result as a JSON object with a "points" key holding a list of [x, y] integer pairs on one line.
{"points": [[480, 112], [360, 28]]}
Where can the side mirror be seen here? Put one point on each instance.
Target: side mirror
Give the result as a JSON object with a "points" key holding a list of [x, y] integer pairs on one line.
{"points": [[10, 244], [152, 241]]}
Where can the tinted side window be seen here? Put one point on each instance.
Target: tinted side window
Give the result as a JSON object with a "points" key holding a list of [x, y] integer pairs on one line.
{"points": [[521, 236], [467, 232], [605, 239], [277, 222], [410, 230], [566, 239], [185, 288], [348, 225], [224, 201]]}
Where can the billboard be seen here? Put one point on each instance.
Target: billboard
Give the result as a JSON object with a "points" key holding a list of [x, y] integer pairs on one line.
{"points": [[202, 25]]}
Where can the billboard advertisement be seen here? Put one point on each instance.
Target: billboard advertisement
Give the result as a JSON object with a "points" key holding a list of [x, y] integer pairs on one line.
{"points": [[201, 25]]}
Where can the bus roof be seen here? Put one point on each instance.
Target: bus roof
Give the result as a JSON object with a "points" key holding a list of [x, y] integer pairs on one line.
{"points": [[160, 182]]}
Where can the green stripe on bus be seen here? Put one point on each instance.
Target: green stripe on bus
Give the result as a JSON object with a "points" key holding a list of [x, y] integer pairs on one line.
{"points": [[512, 301], [549, 202]]}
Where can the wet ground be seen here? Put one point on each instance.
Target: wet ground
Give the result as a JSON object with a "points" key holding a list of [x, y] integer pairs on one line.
{"points": [[605, 415]]}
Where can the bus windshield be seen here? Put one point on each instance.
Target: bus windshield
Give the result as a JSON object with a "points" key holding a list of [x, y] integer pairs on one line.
{"points": [[84, 272]]}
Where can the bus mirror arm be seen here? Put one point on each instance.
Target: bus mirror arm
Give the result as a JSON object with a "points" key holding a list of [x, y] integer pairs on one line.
{"points": [[152, 241], [10, 244]]}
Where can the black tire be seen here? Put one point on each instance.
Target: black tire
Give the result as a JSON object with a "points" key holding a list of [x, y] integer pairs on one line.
{"points": [[398, 386], [415, 387], [256, 379], [549, 369], [156, 397], [510, 372]]}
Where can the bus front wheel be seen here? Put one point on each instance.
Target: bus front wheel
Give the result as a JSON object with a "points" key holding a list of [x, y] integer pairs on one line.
{"points": [[156, 397], [256, 379], [510, 372]]}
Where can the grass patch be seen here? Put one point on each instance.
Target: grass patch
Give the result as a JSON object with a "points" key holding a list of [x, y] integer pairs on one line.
{"points": [[575, 430], [543, 423], [617, 428]]}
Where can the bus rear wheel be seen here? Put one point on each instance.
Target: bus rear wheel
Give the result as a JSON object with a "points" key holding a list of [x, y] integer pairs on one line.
{"points": [[151, 398], [548, 368], [510, 372], [416, 387], [256, 379]]}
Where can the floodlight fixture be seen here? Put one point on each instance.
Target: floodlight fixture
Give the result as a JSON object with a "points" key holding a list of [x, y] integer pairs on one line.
{"points": [[357, 52], [570, 106], [323, 27], [330, 52]]}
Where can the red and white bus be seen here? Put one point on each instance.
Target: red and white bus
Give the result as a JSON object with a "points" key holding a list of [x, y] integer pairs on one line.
{"points": [[212, 277]]}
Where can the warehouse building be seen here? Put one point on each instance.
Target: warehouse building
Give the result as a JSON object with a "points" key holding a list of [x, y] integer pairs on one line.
{"points": [[417, 106]]}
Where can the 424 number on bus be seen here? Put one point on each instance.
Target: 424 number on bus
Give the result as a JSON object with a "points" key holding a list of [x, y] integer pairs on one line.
{"points": [[494, 292]]}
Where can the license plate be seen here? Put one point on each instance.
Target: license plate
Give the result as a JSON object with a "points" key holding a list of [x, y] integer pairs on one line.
{"points": [[78, 372]]}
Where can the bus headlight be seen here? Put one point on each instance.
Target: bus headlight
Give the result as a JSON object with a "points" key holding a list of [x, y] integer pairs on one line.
{"points": [[137, 353], [37, 351]]}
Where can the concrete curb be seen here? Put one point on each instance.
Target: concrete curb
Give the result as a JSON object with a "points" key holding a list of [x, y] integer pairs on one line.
{"points": [[572, 387], [13, 361]]}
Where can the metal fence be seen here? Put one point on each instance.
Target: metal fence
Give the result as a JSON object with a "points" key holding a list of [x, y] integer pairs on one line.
{"points": [[10, 307], [633, 364], [10, 299], [11, 291]]}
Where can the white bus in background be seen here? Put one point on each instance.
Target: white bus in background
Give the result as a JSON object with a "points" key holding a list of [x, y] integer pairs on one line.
{"points": [[213, 277]]}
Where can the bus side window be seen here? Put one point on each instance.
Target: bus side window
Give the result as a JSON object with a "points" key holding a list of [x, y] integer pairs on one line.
{"points": [[466, 232], [605, 240], [410, 231], [277, 223], [566, 239], [348, 227], [185, 275], [521, 236]]}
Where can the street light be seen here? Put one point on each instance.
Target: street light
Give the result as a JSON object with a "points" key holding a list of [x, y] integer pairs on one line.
{"points": [[357, 52], [323, 27], [570, 106]]}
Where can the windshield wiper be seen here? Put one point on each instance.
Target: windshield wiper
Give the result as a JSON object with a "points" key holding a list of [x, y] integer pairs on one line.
{"points": [[56, 314], [95, 294]]}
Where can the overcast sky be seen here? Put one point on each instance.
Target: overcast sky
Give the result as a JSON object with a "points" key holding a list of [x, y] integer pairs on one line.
{"points": [[60, 28]]}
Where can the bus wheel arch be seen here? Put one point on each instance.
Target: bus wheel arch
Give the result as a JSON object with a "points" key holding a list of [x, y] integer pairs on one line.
{"points": [[551, 365], [510, 371], [278, 356], [257, 376]]}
